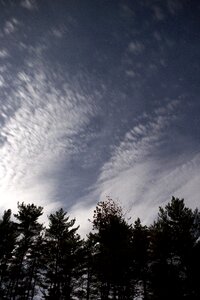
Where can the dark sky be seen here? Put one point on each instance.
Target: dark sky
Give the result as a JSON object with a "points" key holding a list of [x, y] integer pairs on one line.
{"points": [[99, 98]]}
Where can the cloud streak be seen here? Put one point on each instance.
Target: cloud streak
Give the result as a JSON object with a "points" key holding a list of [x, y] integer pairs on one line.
{"points": [[40, 134], [142, 175], [29, 4]]}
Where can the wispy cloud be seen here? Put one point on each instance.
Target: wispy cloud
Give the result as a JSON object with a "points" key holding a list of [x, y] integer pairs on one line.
{"points": [[29, 4], [3, 53], [174, 6], [57, 32], [136, 47], [11, 26], [139, 141], [158, 13], [142, 174], [39, 135]]}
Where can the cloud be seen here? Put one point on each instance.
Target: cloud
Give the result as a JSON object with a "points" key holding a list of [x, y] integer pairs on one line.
{"points": [[3, 53], [83, 213], [142, 188], [11, 26], [132, 173], [136, 47], [39, 136], [130, 73], [139, 141], [29, 4], [174, 6], [2, 81], [158, 13], [58, 33], [143, 172]]}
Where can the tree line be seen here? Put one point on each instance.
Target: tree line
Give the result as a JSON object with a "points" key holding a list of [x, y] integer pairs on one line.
{"points": [[117, 260]]}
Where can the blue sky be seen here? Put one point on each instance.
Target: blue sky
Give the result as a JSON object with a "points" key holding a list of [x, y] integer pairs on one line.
{"points": [[99, 98]]}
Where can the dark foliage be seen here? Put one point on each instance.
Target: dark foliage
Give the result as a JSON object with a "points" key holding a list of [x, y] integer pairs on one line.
{"points": [[117, 260]]}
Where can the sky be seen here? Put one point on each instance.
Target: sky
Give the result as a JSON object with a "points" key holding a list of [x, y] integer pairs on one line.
{"points": [[99, 98]]}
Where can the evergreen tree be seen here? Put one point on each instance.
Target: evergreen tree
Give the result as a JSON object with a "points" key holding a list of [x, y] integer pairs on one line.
{"points": [[117, 260], [64, 259], [140, 258], [8, 236], [174, 240], [22, 281], [91, 280]]}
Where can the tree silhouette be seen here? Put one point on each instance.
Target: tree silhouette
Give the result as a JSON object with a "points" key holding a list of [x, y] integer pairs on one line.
{"points": [[8, 236], [91, 282], [140, 258], [113, 255], [116, 261], [174, 239], [63, 258], [21, 273]]}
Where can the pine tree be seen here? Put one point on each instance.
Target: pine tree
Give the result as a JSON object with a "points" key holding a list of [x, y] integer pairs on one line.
{"points": [[21, 285], [174, 238], [8, 236], [91, 280], [140, 247], [63, 258]]}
